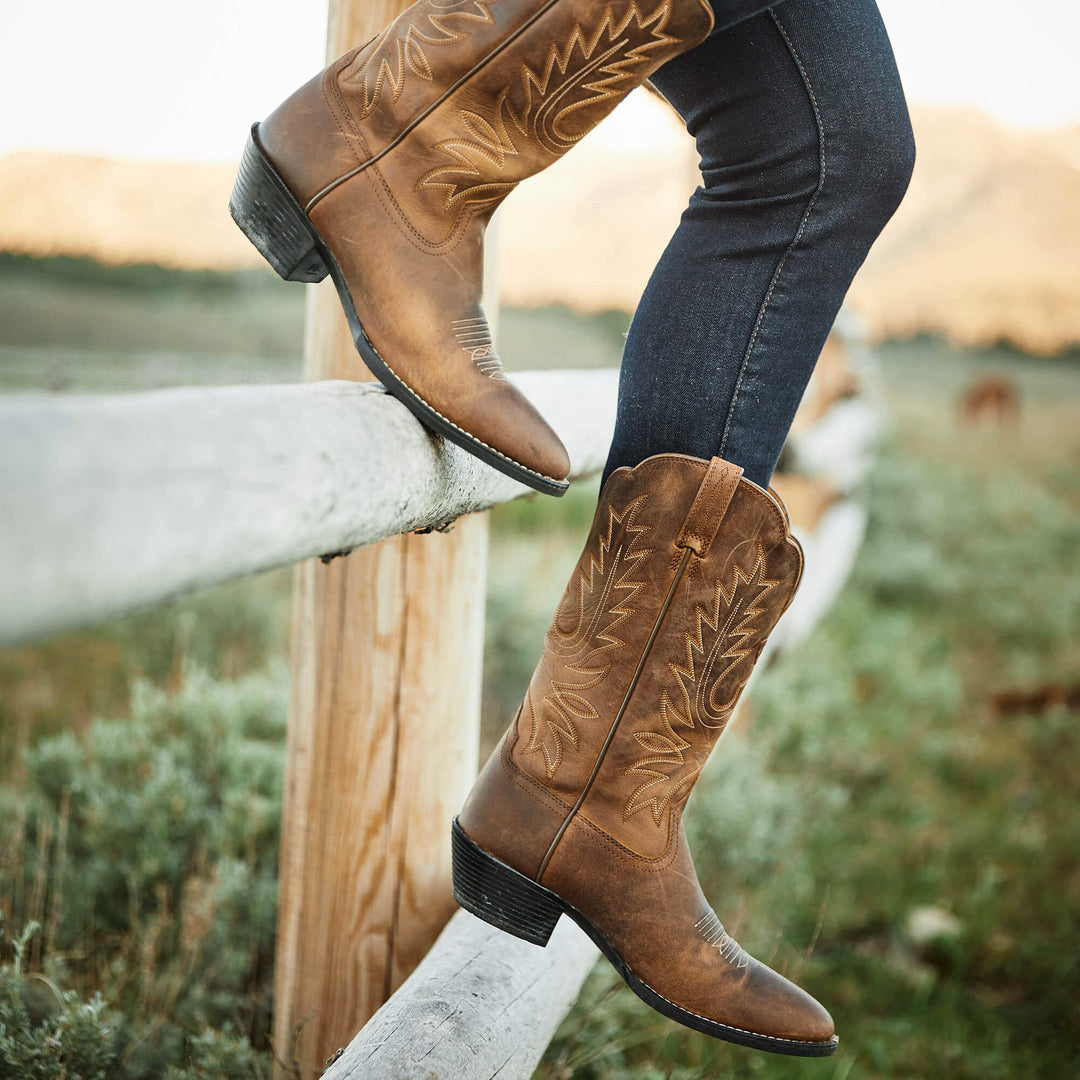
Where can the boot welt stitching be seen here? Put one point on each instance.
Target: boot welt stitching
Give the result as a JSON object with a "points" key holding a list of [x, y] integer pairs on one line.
{"points": [[468, 435], [745, 1031]]}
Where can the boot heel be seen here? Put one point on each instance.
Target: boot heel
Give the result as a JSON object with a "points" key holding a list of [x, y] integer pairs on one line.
{"points": [[273, 220], [501, 896]]}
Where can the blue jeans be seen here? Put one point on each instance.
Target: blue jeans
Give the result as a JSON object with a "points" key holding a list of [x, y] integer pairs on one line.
{"points": [[806, 151]]}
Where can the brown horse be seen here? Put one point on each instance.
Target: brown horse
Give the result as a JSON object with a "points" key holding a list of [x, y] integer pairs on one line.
{"points": [[992, 397]]}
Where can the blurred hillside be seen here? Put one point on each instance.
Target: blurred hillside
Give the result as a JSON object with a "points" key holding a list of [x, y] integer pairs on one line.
{"points": [[986, 247], [114, 211]]}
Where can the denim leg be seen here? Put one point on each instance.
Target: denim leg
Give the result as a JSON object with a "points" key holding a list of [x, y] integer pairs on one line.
{"points": [[806, 151]]}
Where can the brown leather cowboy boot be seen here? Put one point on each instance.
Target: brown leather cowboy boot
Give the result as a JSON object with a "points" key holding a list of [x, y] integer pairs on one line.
{"points": [[384, 170], [579, 811]]}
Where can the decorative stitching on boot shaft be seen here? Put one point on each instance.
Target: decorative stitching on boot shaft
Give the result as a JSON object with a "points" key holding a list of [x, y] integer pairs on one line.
{"points": [[594, 607], [417, 120], [731, 624], [399, 50], [573, 76]]}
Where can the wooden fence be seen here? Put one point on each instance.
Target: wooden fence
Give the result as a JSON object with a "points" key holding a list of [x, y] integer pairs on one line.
{"points": [[114, 502]]}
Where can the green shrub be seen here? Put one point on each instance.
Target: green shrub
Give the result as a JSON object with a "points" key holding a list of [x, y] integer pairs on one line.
{"points": [[55, 1036], [147, 849]]}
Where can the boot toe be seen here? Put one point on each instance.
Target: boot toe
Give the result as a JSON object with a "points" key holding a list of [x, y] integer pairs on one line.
{"points": [[511, 425], [810, 1020], [782, 1010]]}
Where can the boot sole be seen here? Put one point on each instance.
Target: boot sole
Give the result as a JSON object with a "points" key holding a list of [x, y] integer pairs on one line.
{"points": [[271, 218], [509, 900]]}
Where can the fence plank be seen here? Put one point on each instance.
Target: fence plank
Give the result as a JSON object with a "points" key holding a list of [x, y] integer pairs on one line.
{"points": [[110, 503], [482, 1004], [382, 749]]}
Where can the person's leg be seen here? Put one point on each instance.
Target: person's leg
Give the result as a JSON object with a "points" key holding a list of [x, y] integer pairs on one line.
{"points": [[689, 564], [806, 151]]}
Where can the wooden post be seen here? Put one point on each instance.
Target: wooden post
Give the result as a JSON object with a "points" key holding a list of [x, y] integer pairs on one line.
{"points": [[383, 733]]}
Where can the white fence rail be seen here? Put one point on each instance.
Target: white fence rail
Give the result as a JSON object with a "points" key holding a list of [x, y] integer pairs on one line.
{"points": [[482, 1004], [110, 503]]}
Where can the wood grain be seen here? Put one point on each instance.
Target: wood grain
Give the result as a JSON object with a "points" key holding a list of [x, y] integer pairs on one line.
{"points": [[382, 750], [482, 1004]]}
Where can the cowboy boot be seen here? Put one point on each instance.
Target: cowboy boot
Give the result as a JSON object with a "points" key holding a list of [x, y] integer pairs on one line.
{"points": [[579, 811], [384, 170]]}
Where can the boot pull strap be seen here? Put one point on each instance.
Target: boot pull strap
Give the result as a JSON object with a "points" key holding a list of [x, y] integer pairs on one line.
{"points": [[709, 507]]}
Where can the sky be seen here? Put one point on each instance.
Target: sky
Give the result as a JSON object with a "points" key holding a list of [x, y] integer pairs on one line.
{"points": [[184, 82]]}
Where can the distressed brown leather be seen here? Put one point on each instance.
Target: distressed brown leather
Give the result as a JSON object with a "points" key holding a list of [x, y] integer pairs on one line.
{"points": [[686, 570], [401, 150]]}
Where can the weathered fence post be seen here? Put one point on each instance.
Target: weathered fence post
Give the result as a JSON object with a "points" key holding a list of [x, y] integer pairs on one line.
{"points": [[383, 733]]}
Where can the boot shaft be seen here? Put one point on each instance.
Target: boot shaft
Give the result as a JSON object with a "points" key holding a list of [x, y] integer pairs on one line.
{"points": [[722, 610], [457, 101], [686, 570]]}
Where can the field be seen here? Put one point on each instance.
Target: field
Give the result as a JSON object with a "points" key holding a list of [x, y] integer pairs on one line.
{"points": [[893, 821]]}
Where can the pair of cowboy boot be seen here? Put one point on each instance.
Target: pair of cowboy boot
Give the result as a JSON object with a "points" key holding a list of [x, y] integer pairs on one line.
{"points": [[383, 172]]}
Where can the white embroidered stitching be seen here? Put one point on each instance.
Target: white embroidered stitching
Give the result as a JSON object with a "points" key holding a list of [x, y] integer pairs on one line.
{"points": [[698, 685], [474, 337], [712, 930], [583, 649]]}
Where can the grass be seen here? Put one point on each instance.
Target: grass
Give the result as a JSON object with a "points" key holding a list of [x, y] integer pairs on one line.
{"points": [[145, 850], [878, 778]]}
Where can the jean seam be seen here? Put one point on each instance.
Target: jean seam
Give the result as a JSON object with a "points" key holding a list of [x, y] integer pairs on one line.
{"points": [[798, 235]]}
